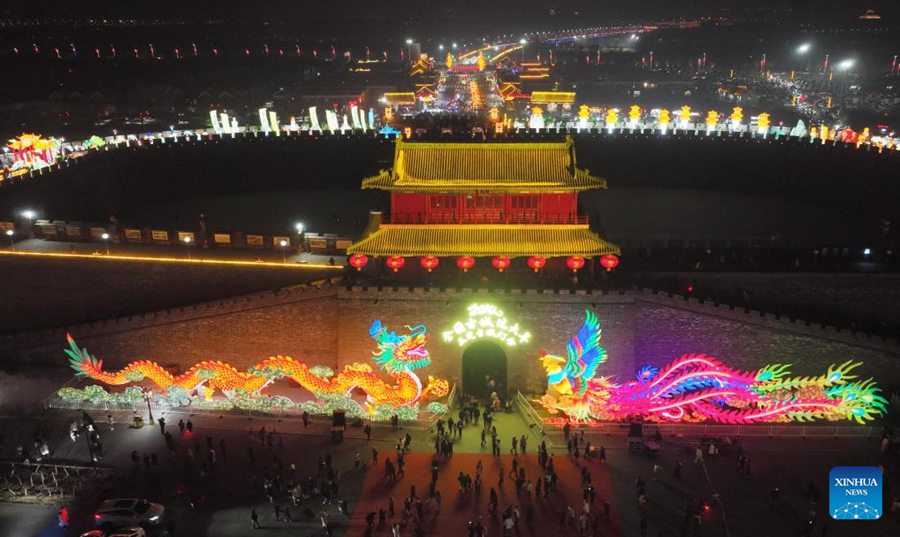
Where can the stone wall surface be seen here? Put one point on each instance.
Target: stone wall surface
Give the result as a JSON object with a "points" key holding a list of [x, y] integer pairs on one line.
{"points": [[330, 326]]}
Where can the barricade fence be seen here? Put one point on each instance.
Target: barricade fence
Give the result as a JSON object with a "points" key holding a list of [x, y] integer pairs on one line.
{"points": [[158, 409]]}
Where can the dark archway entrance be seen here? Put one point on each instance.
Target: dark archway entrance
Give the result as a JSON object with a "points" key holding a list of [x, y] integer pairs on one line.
{"points": [[482, 359]]}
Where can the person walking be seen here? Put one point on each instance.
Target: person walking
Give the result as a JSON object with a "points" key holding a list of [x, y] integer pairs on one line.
{"points": [[698, 455], [162, 426], [254, 518], [111, 421]]}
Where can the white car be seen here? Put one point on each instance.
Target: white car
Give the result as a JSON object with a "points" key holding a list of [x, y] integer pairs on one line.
{"points": [[128, 512]]}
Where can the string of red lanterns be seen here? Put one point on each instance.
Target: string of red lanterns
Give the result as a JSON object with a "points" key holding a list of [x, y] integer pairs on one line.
{"points": [[466, 262]]}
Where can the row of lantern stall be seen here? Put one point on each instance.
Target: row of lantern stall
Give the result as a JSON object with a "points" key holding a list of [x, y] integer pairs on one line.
{"points": [[466, 262]]}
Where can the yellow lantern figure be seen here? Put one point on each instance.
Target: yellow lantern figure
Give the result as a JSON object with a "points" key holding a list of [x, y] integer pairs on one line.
{"points": [[536, 111], [482, 62], [684, 115], [584, 113], [494, 114], [449, 61], [612, 117], [737, 115], [762, 123], [712, 119], [388, 114], [634, 113], [664, 119], [863, 137]]}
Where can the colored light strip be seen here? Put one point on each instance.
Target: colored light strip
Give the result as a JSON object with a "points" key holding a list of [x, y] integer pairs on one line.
{"points": [[176, 260]]}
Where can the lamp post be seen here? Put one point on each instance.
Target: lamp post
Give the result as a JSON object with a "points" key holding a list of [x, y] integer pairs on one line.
{"points": [[149, 409], [10, 233], [283, 245], [187, 244], [299, 227], [801, 51], [105, 237]]}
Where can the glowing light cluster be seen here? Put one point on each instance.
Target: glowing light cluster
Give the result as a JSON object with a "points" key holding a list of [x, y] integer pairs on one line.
{"points": [[486, 321], [697, 387], [400, 355]]}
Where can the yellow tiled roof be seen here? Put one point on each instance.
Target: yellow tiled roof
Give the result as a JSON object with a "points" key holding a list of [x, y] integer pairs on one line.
{"points": [[545, 97], [483, 241], [518, 167], [400, 98]]}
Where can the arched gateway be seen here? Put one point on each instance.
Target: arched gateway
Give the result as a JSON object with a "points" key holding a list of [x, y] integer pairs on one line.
{"points": [[481, 361]]}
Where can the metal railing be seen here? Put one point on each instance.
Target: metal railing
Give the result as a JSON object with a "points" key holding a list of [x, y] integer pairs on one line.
{"points": [[530, 414]]}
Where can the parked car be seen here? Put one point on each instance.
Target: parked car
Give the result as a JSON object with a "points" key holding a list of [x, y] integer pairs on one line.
{"points": [[133, 531], [128, 512]]}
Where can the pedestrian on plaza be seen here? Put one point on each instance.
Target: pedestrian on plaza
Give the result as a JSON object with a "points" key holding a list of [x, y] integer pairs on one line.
{"points": [[368, 430], [698, 455], [390, 507], [111, 421], [162, 426], [522, 443], [515, 445], [437, 501], [602, 454], [277, 513], [189, 426], [181, 426], [222, 449], [374, 455], [677, 472], [254, 518]]}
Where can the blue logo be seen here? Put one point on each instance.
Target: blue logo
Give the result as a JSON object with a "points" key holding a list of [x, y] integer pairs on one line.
{"points": [[855, 493]]}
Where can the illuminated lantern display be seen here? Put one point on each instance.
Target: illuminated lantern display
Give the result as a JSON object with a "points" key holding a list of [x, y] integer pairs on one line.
{"points": [[762, 123], [395, 262], [609, 262], [664, 120], [697, 387], [737, 115], [712, 119], [400, 355], [465, 262], [537, 262], [358, 261], [486, 321], [501, 263], [575, 262], [429, 262]]}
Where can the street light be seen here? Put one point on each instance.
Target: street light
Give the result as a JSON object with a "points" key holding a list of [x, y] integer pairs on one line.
{"points": [[846, 64], [105, 238], [299, 227], [28, 214], [187, 244], [283, 243], [10, 233], [802, 50]]}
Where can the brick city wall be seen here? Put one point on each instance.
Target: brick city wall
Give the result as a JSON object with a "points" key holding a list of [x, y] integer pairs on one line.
{"points": [[329, 326]]}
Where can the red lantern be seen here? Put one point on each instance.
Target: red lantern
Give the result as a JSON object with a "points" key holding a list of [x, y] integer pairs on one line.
{"points": [[575, 262], [537, 262], [358, 261], [429, 262], [395, 262], [501, 263], [465, 262], [609, 262]]}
